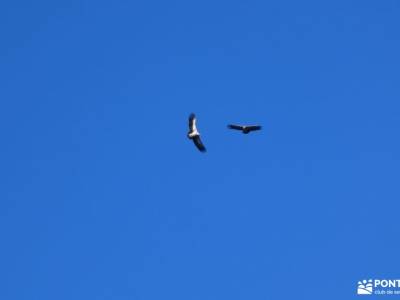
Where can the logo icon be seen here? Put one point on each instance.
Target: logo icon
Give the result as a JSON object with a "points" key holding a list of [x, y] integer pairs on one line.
{"points": [[365, 287]]}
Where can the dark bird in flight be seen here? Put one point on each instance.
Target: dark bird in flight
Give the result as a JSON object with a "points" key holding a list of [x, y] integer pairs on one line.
{"points": [[194, 134], [245, 128]]}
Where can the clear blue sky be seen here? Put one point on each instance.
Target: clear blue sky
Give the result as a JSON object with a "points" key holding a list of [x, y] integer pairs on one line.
{"points": [[103, 196]]}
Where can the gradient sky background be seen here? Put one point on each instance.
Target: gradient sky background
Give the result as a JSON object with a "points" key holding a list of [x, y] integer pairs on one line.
{"points": [[103, 196]]}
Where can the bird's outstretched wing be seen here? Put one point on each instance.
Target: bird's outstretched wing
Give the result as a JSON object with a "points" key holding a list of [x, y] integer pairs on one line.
{"points": [[197, 141], [192, 122], [253, 127], [236, 127]]}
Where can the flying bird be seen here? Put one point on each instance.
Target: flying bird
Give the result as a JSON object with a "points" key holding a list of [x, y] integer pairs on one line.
{"points": [[194, 134], [245, 128]]}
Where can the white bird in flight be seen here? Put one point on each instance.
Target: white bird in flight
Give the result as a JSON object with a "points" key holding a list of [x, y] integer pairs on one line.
{"points": [[194, 134]]}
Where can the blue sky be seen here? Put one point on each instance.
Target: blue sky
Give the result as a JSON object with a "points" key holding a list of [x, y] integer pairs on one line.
{"points": [[104, 197]]}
